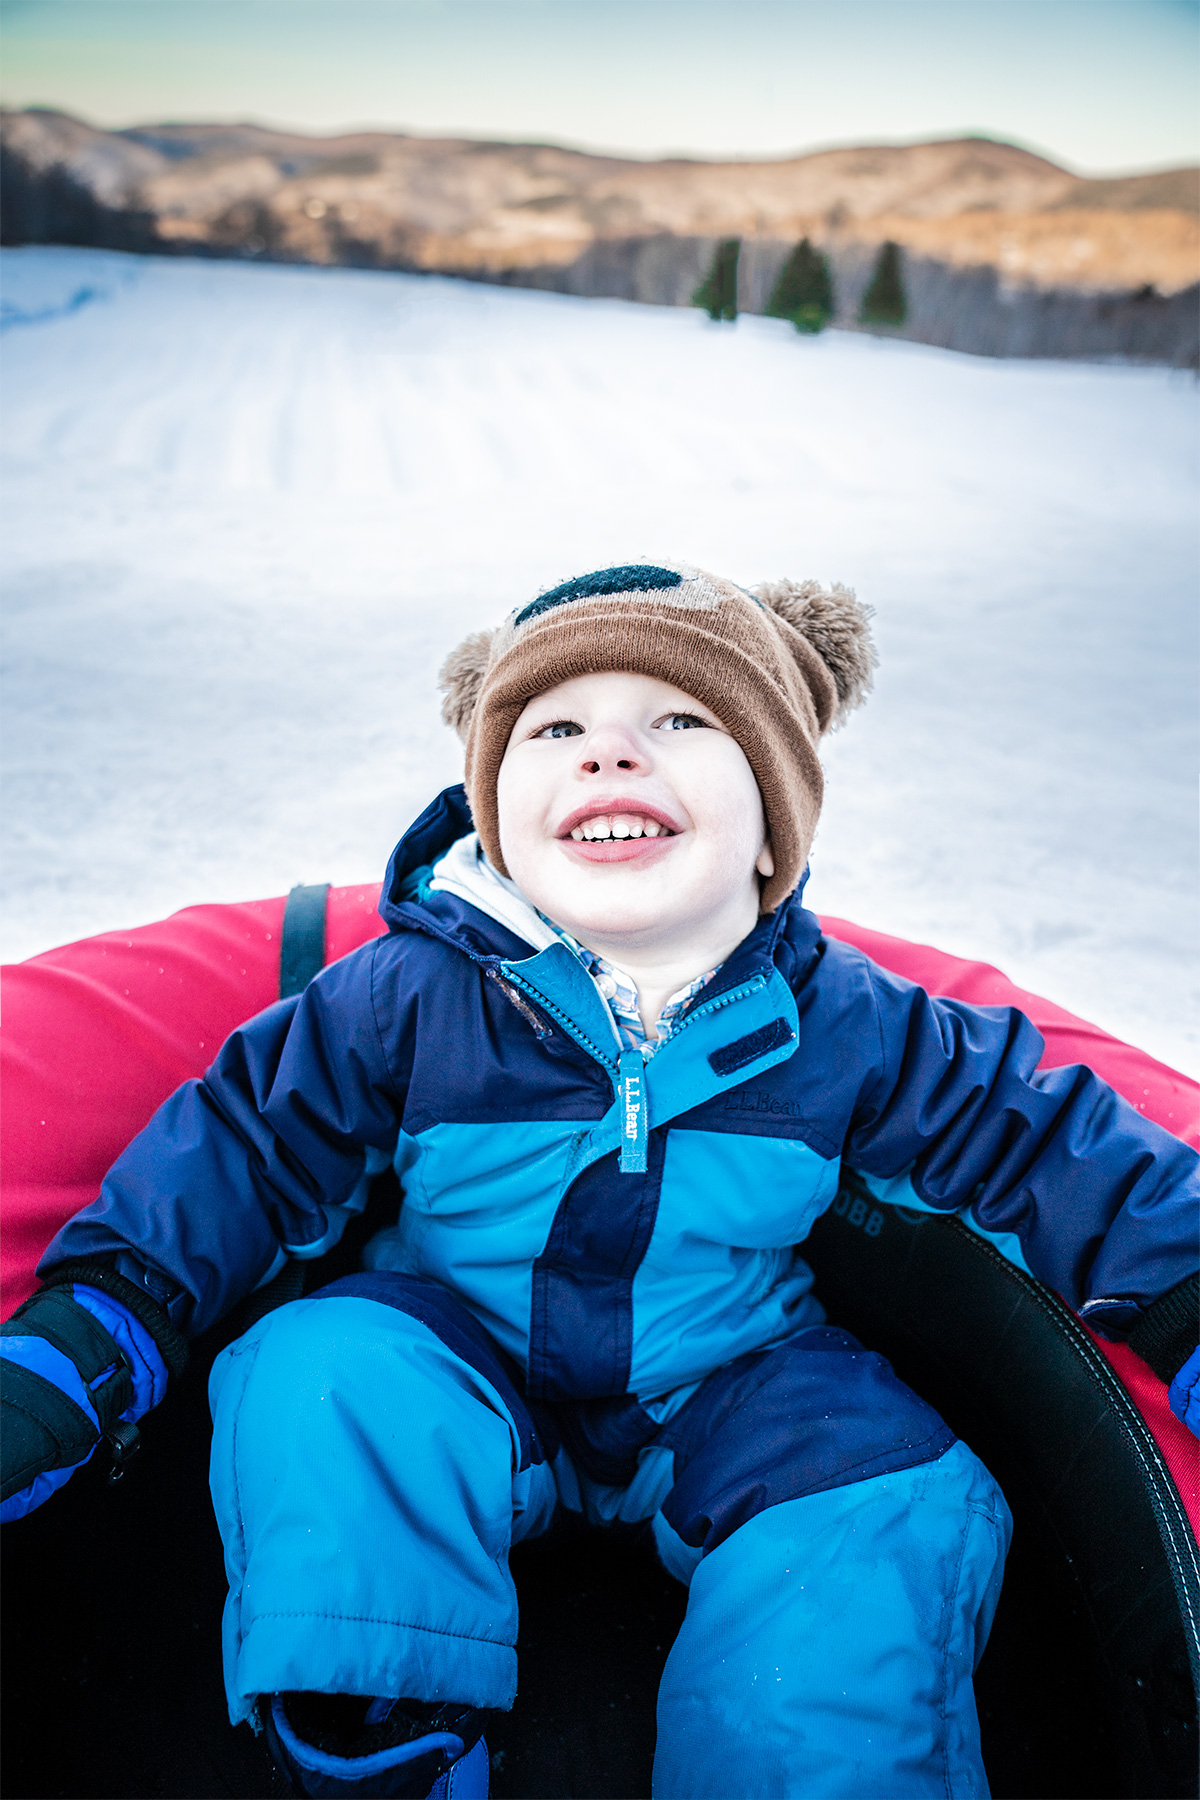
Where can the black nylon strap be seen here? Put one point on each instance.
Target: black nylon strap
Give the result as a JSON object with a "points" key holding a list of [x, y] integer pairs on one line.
{"points": [[301, 956], [1168, 1332], [302, 944], [288, 1285]]}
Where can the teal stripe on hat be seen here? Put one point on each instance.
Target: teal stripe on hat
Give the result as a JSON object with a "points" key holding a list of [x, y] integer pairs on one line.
{"points": [[629, 578]]}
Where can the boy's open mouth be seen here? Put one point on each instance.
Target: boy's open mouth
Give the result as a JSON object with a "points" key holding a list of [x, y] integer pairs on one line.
{"points": [[607, 826], [619, 833]]}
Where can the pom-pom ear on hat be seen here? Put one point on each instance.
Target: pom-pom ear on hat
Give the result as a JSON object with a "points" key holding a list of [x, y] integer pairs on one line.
{"points": [[461, 677], [837, 625]]}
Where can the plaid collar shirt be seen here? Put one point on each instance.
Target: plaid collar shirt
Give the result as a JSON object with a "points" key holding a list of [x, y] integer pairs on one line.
{"points": [[620, 992]]}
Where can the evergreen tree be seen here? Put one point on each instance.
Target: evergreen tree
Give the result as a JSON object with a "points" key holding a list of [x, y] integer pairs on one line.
{"points": [[804, 291], [717, 293], [884, 302]]}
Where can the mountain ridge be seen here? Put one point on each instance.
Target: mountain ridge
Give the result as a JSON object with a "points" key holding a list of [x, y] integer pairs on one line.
{"points": [[965, 211]]}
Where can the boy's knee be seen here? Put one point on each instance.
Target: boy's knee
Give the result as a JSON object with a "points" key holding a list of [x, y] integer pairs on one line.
{"points": [[924, 1543], [347, 1371], [316, 1341]]}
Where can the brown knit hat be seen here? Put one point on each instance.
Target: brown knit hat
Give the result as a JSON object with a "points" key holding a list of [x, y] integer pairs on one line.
{"points": [[779, 667]]}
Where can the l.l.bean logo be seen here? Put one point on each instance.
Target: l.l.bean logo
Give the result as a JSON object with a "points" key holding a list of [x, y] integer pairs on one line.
{"points": [[857, 1211]]}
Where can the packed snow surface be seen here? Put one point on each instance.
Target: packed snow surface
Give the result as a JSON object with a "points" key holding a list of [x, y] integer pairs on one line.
{"points": [[249, 509]]}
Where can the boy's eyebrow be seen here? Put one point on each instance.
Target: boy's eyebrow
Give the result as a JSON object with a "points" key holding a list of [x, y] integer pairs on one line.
{"points": [[553, 715]]}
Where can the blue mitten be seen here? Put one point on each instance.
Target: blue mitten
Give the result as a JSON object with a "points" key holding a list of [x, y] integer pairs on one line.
{"points": [[1184, 1394], [78, 1362]]}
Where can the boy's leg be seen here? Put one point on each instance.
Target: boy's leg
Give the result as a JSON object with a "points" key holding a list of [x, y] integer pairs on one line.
{"points": [[372, 1461], [831, 1634]]}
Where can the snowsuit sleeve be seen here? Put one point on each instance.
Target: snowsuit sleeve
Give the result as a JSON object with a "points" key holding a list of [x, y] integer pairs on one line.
{"points": [[254, 1159], [1103, 1201]]}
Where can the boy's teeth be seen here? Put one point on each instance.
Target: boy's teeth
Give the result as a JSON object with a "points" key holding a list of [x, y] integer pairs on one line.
{"points": [[606, 826]]}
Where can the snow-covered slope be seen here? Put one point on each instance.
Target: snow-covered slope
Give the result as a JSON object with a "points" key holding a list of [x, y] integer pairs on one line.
{"points": [[247, 510]]}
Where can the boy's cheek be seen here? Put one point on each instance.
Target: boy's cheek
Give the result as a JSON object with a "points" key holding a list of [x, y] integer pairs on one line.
{"points": [[523, 835], [525, 798]]}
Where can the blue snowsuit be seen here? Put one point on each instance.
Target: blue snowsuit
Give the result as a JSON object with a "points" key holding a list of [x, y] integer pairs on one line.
{"points": [[592, 1297]]}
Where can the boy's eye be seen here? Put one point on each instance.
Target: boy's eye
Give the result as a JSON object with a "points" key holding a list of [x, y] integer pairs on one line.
{"points": [[561, 728], [684, 722]]}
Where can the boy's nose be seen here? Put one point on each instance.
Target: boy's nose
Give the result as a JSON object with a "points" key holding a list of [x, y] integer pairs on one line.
{"points": [[610, 748]]}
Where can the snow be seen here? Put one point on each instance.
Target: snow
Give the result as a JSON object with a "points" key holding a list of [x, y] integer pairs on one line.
{"points": [[248, 510]]}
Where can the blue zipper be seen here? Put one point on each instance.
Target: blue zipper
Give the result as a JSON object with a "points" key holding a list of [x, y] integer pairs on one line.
{"points": [[629, 1073]]}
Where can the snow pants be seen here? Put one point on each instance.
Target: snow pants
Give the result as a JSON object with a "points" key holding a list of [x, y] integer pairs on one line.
{"points": [[374, 1458]]}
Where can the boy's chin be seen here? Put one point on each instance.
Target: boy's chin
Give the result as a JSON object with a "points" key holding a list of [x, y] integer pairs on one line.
{"points": [[617, 895], [617, 926], [613, 918]]}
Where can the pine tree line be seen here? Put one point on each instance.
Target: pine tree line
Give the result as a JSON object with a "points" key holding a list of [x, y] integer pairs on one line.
{"points": [[804, 291]]}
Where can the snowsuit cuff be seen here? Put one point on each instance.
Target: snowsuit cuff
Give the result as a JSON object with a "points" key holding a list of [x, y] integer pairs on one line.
{"points": [[170, 1343], [1167, 1332]]}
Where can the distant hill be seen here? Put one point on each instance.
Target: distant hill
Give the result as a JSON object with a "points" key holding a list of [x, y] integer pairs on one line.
{"points": [[539, 215]]}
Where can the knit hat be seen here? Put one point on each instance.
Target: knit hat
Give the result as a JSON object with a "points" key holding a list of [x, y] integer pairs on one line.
{"points": [[778, 666]]}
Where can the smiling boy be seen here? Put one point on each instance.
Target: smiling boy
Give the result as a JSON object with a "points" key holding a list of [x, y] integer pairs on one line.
{"points": [[592, 1296], [647, 848]]}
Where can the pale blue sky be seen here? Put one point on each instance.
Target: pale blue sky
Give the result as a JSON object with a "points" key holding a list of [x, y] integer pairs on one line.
{"points": [[1101, 85]]}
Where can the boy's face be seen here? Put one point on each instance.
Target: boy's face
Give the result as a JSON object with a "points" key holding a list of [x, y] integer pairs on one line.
{"points": [[628, 814]]}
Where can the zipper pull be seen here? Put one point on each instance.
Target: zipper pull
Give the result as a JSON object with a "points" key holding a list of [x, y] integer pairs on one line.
{"points": [[631, 1096]]}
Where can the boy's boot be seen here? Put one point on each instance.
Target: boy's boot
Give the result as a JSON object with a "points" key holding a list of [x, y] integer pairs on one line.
{"points": [[331, 1745]]}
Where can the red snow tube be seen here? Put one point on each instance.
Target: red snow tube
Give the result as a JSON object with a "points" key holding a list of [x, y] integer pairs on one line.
{"points": [[98, 1033], [1103, 1480]]}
